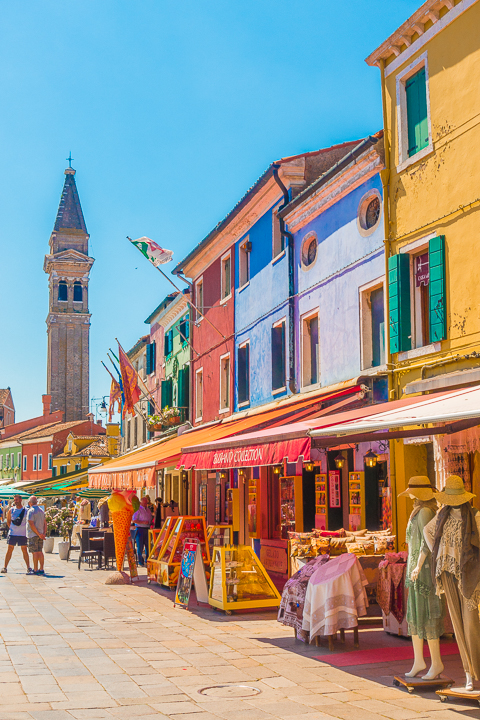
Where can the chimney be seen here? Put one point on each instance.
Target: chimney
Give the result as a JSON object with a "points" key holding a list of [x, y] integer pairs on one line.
{"points": [[47, 404]]}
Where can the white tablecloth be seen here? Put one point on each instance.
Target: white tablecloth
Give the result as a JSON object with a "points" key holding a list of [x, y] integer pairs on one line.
{"points": [[335, 597]]}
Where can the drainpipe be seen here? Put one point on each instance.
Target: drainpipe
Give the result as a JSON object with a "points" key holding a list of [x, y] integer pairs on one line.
{"points": [[191, 378], [291, 285]]}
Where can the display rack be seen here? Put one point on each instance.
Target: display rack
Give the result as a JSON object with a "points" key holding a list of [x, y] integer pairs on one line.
{"points": [[167, 565], [218, 535], [253, 508], [291, 505], [321, 502], [158, 546], [239, 581], [356, 500]]}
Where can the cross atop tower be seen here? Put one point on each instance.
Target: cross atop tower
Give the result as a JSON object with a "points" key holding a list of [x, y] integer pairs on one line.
{"points": [[69, 159]]}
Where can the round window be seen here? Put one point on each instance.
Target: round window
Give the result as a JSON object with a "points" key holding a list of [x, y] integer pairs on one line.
{"points": [[309, 251], [369, 212]]}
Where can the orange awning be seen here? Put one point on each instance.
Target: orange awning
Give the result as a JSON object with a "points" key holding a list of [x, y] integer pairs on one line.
{"points": [[137, 469]]}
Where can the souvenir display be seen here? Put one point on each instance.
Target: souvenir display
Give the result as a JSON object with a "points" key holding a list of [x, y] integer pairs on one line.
{"points": [[334, 492], [160, 542], [252, 507], [356, 500], [453, 538], [218, 535], [167, 565], [321, 508], [291, 505], [239, 580]]}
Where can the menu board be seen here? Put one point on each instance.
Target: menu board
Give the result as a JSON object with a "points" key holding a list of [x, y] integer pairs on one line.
{"points": [[192, 570], [334, 496]]}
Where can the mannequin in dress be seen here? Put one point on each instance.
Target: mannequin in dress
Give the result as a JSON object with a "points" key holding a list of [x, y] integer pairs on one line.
{"points": [[425, 611], [453, 537]]}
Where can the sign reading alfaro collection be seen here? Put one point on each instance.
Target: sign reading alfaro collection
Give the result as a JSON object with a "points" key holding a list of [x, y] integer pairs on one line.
{"points": [[249, 456]]}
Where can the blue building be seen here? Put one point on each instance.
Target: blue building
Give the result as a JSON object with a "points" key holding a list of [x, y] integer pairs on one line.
{"points": [[265, 280]]}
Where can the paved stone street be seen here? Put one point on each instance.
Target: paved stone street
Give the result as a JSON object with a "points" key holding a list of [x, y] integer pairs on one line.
{"points": [[73, 647]]}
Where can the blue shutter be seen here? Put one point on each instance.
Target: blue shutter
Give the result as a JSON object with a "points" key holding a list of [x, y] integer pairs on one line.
{"points": [[399, 303], [436, 289]]}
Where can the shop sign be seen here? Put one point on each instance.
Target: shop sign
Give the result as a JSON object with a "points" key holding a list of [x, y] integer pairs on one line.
{"points": [[334, 488], [274, 559], [422, 270], [249, 456]]}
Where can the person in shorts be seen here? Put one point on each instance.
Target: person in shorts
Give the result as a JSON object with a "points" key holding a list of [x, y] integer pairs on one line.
{"points": [[36, 531], [17, 532]]}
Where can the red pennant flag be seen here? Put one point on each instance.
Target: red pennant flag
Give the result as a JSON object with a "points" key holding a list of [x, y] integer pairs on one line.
{"points": [[115, 397], [131, 391]]}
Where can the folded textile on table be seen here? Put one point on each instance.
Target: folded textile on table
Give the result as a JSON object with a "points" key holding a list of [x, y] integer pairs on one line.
{"points": [[290, 611], [335, 597]]}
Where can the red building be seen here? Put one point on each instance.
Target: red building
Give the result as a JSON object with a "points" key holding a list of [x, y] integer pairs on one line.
{"points": [[41, 446], [7, 408], [213, 329], [21, 427]]}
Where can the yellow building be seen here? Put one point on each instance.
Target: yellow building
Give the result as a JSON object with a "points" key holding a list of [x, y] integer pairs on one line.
{"points": [[83, 451], [430, 69]]}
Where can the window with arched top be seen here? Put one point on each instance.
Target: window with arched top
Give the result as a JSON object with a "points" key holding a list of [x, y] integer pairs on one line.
{"points": [[62, 292], [77, 293]]}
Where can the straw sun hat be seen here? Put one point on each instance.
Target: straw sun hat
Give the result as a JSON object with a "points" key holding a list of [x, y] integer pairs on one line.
{"points": [[454, 492], [420, 487]]}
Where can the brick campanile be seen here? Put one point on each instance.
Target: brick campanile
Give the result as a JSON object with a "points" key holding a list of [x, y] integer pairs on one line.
{"points": [[68, 322]]}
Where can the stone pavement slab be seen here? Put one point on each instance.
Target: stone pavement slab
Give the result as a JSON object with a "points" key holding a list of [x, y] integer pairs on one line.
{"points": [[73, 647]]}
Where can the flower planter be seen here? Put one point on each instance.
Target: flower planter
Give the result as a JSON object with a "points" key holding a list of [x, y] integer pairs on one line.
{"points": [[63, 549], [172, 420], [48, 544]]}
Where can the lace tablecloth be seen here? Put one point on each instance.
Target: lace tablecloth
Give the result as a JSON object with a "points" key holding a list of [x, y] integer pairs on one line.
{"points": [[290, 611], [335, 597]]}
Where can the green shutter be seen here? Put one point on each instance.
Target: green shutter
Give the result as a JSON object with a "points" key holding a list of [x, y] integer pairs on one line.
{"points": [[399, 302], [167, 392], [183, 387], [417, 116], [436, 289]]}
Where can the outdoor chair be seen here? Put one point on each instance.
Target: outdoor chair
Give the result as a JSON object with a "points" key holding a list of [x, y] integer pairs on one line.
{"points": [[86, 552], [70, 546], [108, 549]]}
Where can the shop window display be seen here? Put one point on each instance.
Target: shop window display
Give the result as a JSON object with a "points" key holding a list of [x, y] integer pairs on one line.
{"points": [[167, 565], [239, 580]]}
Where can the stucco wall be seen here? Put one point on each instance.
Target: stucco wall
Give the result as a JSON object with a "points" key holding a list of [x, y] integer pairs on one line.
{"points": [[259, 305], [345, 261]]}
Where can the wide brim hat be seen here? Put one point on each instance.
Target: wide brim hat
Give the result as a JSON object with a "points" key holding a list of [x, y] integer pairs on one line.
{"points": [[454, 492], [420, 487]]}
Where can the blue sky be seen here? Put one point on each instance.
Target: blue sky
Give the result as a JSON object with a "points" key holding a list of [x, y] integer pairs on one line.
{"points": [[171, 111]]}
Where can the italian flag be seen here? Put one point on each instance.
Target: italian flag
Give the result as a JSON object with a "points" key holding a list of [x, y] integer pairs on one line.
{"points": [[152, 251]]}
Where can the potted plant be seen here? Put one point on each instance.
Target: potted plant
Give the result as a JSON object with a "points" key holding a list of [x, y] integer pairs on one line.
{"points": [[171, 415], [155, 422], [52, 518], [66, 527]]}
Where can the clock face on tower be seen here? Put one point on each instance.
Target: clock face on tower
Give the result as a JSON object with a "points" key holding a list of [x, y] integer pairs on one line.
{"points": [[68, 322]]}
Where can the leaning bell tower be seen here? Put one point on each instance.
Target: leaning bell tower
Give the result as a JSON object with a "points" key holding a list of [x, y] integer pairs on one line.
{"points": [[68, 322]]}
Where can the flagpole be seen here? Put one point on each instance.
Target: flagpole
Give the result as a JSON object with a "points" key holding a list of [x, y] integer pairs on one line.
{"points": [[146, 392]]}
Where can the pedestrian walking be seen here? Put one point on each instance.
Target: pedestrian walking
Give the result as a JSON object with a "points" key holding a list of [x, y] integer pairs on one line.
{"points": [[36, 531], [17, 532], [158, 513], [142, 519]]}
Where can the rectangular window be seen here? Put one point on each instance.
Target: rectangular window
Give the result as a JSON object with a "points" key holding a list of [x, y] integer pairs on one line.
{"points": [[278, 356], [310, 362], [34, 462], [420, 284], [244, 263], [184, 329], [226, 276], [12, 460], [151, 357], [40, 462], [128, 434], [199, 394], [49, 461], [63, 469], [244, 374], [19, 459], [24, 463], [135, 431], [54, 472], [278, 240], [77, 466], [1, 462], [417, 115], [372, 307], [7, 461], [224, 383], [199, 298], [168, 343]]}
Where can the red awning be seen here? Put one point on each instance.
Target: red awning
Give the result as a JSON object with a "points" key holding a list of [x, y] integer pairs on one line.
{"points": [[272, 453]]}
